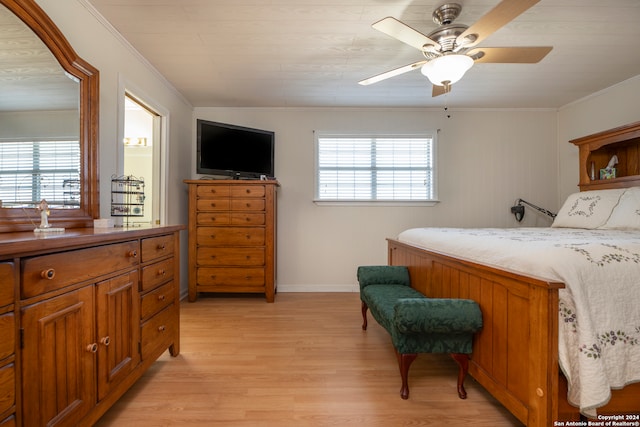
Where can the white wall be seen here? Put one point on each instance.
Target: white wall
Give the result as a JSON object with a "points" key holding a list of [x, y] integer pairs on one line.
{"points": [[94, 42], [486, 160], [615, 106]]}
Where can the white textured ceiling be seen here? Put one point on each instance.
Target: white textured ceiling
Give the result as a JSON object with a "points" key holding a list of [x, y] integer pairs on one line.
{"points": [[30, 76], [277, 53]]}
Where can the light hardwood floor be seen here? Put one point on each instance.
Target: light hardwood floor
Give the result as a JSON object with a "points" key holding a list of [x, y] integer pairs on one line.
{"points": [[301, 361]]}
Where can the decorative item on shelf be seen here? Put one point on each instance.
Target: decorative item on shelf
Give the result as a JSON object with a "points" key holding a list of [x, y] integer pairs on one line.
{"points": [[518, 210], [609, 172], [127, 197], [45, 227]]}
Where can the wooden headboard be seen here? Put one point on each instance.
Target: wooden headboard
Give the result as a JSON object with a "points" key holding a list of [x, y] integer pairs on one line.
{"points": [[596, 150]]}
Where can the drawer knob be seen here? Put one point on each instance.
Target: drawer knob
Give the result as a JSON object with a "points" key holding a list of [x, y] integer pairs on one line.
{"points": [[161, 272], [162, 328], [161, 247], [161, 297], [248, 236], [92, 348], [48, 274], [133, 254], [213, 205], [105, 341], [248, 191], [248, 205]]}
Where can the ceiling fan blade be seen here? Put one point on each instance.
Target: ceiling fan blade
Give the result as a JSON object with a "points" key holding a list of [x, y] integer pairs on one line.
{"points": [[401, 31], [509, 55], [392, 73], [496, 18]]}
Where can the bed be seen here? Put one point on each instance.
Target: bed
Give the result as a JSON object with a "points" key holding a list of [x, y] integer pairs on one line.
{"points": [[561, 334]]}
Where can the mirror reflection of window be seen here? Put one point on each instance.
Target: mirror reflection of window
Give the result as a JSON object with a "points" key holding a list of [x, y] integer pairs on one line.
{"points": [[36, 170]]}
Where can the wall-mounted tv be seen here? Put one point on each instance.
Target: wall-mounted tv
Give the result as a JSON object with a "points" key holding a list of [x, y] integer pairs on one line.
{"points": [[236, 151]]}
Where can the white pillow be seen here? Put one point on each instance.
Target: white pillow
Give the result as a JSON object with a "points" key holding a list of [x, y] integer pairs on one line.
{"points": [[627, 214], [588, 209]]}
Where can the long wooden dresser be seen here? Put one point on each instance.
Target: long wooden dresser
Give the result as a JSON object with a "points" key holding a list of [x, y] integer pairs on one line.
{"points": [[232, 237], [83, 314]]}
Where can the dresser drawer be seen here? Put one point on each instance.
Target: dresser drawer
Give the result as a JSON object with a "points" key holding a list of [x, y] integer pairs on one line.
{"points": [[214, 218], [156, 247], [250, 276], [239, 191], [247, 219], [213, 191], [156, 300], [7, 283], [156, 273], [7, 387], [213, 204], [50, 272], [226, 236], [157, 333], [230, 256], [247, 204], [7, 336]]}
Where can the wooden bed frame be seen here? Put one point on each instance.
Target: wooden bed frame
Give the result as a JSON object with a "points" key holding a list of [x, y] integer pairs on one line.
{"points": [[515, 356]]}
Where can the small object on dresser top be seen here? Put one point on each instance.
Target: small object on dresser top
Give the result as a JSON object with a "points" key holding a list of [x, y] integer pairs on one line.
{"points": [[103, 223]]}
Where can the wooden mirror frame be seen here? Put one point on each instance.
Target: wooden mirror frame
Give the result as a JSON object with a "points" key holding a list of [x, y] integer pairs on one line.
{"points": [[23, 219]]}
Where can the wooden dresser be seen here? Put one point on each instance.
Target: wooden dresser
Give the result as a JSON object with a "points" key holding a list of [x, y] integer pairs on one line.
{"points": [[82, 315], [232, 237]]}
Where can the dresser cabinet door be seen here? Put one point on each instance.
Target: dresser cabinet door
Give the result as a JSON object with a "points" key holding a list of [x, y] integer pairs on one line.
{"points": [[117, 310], [58, 359], [7, 345]]}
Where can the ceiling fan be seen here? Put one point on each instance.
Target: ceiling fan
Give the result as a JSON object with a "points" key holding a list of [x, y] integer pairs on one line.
{"points": [[450, 50]]}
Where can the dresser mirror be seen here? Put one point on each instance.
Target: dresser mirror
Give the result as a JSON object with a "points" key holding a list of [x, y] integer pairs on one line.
{"points": [[48, 123]]}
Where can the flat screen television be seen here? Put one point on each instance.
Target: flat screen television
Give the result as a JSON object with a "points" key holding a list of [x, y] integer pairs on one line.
{"points": [[235, 151]]}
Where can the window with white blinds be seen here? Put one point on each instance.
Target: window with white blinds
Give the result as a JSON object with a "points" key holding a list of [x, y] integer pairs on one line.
{"points": [[36, 170], [379, 168]]}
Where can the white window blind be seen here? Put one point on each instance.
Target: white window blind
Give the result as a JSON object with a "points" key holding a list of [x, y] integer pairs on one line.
{"points": [[375, 168], [36, 170]]}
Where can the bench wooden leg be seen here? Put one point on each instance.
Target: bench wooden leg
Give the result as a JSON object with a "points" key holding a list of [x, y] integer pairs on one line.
{"points": [[404, 362], [364, 315], [463, 361]]}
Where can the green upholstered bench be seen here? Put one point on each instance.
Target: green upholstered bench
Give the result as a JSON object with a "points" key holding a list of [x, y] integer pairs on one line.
{"points": [[418, 324]]}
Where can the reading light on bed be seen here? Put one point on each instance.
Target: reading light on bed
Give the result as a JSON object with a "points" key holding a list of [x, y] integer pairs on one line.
{"points": [[518, 210]]}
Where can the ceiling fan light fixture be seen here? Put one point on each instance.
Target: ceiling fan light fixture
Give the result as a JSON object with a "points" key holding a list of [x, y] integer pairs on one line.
{"points": [[446, 70]]}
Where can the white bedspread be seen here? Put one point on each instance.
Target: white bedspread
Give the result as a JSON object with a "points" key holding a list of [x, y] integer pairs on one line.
{"points": [[599, 333]]}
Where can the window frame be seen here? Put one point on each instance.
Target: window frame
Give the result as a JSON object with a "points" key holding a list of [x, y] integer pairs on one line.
{"points": [[433, 134]]}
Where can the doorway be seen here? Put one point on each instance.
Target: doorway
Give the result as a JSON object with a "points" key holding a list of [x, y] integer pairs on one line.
{"points": [[142, 141]]}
